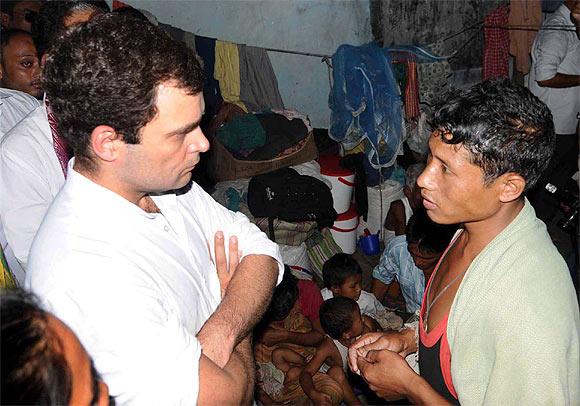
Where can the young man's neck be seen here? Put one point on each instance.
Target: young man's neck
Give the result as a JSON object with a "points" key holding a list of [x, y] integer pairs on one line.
{"points": [[478, 235]]}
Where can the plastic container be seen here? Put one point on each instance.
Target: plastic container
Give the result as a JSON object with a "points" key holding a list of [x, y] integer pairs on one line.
{"points": [[385, 193], [342, 181], [369, 244], [344, 230]]}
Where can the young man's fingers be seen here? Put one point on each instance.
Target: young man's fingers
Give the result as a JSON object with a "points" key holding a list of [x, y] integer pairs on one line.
{"points": [[220, 255]]}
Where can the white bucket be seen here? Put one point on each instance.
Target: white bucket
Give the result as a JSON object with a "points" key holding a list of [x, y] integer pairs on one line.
{"points": [[344, 230], [342, 182], [387, 192]]}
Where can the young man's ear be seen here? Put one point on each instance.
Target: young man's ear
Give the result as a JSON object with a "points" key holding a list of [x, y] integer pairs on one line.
{"points": [[104, 143], [5, 19], [512, 187]]}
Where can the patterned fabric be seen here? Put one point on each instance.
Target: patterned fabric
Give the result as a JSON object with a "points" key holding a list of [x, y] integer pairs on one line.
{"points": [[412, 91], [321, 246], [287, 233], [60, 145], [497, 44], [432, 80]]}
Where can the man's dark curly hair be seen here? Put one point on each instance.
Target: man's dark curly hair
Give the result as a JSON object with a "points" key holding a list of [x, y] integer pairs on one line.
{"points": [[504, 127], [107, 71], [49, 23], [34, 369]]}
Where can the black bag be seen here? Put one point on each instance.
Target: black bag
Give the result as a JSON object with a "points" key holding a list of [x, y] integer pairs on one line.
{"points": [[289, 196]]}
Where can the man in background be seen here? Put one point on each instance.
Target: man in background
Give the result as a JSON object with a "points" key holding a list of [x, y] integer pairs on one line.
{"points": [[19, 14]]}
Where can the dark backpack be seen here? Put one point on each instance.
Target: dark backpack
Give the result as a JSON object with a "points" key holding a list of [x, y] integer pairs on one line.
{"points": [[289, 196]]}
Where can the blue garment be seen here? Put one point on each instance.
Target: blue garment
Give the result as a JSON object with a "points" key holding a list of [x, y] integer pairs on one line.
{"points": [[365, 103], [396, 262]]}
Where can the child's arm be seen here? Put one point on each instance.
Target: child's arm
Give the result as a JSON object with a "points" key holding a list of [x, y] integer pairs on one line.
{"points": [[324, 351]]}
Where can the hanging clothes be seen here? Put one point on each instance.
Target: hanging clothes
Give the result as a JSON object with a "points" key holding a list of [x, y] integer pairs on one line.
{"points": [[258, 83], [496, 45], [528, 13], [365, 103], [227, 72], [205, 48]]}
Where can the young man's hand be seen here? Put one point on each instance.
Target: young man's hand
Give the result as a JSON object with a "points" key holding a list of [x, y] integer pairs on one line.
{"points": [[402, 343], [387, 373], [225, 268]]}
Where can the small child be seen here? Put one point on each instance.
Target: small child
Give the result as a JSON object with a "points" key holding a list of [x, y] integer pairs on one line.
{"points": [[342, 276], [342, 322]]}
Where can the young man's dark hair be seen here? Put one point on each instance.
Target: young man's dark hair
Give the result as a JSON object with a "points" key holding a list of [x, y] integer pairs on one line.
{"points": [[34, 369], [499, 143], [51, 18], [337, 268], [6, 36], [283, 299], [123, 95], [336, 315], [431, 237], [132, 12]]}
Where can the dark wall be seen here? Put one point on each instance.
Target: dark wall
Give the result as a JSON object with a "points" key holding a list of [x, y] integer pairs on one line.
{"points": [[406, 22]]}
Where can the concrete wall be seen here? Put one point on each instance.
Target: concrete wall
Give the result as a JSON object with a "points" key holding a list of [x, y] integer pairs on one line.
{"points": [[312, 26]]}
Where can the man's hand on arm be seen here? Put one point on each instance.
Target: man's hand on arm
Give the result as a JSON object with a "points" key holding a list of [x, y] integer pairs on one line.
{"points": [[246, 297]]}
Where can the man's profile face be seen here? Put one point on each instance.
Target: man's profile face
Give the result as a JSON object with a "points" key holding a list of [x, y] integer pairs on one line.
{"points": [[23, 14], [170, 144], [20, 69], [453, 188]]}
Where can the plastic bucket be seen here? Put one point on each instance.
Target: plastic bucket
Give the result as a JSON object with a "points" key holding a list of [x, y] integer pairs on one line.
{"points": [[344, 230], [342, 181], [369, 244]]}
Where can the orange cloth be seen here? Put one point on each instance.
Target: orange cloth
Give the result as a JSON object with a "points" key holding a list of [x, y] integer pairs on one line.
{"points": [[527, 13]]}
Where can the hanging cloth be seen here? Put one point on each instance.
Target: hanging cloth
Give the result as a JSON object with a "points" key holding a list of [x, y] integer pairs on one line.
{"points": [[227, 72], [526, 13], [412, 110], [205, 48], [496, 45], [258, 83]]}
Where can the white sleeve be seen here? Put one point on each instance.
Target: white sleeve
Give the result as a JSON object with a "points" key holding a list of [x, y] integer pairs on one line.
{"points": [[25, 198], [549, 52], [138, 343], [214, 217]]}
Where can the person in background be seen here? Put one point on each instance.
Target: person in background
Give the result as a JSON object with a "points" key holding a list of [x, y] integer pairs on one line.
{"points": [[555, 78], [19, 14], [400, 211], [411, 258], [342, 276], [19, 66], [43, 361], [499, 323], [33, 156]]}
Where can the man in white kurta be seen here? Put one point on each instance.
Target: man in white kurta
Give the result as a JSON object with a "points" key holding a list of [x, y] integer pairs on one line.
{"points": [[138, 271]]}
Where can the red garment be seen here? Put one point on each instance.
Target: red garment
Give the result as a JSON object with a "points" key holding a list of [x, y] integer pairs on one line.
{"points": [[412, 91], [497, 44], [59, 143], [310, 299]]}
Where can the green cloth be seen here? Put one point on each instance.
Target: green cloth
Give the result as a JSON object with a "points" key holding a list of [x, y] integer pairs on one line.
{"points": [[243, 132], [7, 280], [513, 326]]}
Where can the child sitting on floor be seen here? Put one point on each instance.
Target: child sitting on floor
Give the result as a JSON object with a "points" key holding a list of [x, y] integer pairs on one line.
{"points": [[342, 276], [342, 322]]}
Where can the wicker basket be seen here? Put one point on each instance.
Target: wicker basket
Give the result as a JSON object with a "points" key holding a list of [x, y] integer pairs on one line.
{"points": [[223, 166]]}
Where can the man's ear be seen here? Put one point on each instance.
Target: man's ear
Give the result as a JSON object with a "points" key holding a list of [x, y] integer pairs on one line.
{"points": [[105, 143], [512, 186], [1, 72]]}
